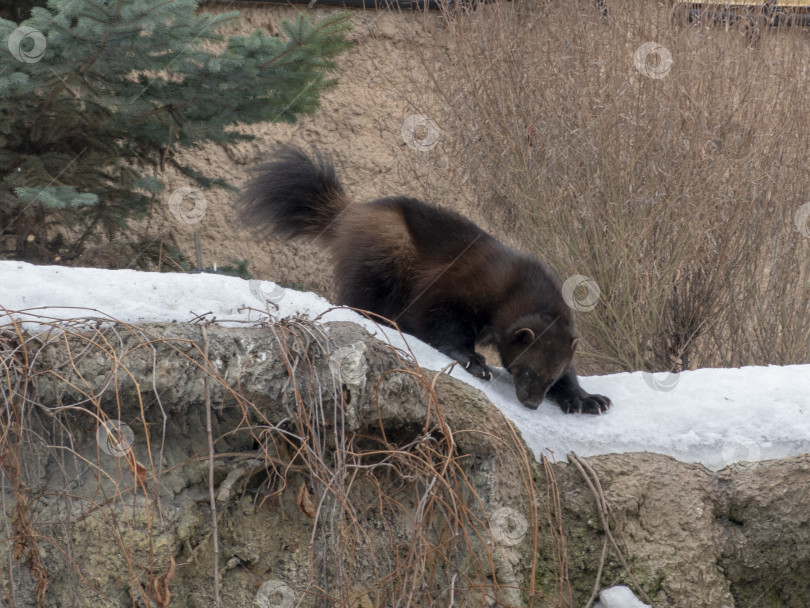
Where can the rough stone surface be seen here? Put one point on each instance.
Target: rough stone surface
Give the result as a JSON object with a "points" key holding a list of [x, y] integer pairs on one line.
{"points": [[737, 537], [300, 517], [290, 404]]}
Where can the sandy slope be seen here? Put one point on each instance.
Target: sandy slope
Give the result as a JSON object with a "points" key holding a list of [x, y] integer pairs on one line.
{"points": [[360, 122]]}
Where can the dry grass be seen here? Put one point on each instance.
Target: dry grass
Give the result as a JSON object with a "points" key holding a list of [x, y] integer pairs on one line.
{"points": [[677, 195], [396, 519]]}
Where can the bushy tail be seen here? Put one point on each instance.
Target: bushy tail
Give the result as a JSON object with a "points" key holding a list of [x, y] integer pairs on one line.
{"points": [[294, 195]]}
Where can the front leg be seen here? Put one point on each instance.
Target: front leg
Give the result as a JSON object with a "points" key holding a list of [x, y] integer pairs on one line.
{"points": [[473, 362], [452, 333], [570, 396]]}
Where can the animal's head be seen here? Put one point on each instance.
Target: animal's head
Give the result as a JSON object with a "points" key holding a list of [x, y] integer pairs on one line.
{"points": [[537, 350]]}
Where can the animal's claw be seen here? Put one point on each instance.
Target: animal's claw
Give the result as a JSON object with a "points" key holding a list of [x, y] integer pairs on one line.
{"points": [[586, 404], [476, 364]]}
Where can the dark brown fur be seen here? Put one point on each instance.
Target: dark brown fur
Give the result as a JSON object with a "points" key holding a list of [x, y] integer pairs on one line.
{"points": [[433, 272]]}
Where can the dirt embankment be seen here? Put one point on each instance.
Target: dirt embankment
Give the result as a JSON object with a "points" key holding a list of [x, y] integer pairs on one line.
{"points": [[383, 85]]}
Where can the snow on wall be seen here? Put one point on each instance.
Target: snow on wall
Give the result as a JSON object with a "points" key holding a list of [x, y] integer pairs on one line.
{"points": [[619, 597], [717, 417]]}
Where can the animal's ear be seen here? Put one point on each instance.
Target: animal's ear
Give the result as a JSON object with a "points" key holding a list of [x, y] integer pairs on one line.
{"points": [[524, 335], [574, 344]]}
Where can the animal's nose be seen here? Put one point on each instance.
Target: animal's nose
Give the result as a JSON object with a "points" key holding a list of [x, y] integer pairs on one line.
{"points": [[531, 402]]}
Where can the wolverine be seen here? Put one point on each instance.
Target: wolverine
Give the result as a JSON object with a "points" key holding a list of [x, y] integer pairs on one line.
{"points": [[432, 272]]}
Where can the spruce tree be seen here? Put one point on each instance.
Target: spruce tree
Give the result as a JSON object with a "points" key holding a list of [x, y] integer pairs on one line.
{"points": [[97, 97]]}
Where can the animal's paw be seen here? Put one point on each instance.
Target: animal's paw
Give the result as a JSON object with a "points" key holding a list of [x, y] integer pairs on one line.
{"points": [[476, 364], [586, 404]]}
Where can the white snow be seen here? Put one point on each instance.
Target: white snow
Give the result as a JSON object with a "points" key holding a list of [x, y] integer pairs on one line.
{"points": [[619, 597], [717, 417]]}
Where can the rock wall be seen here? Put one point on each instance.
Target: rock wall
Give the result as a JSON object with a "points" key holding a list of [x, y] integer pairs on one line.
{"points": [[737, 537], [298, 465]]}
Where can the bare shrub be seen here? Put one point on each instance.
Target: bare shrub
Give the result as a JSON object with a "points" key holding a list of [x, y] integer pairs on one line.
{"points": [[391, 516], [666, 161]]}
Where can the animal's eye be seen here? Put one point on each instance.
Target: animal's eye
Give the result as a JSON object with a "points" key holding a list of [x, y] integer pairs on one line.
{"points": [[526, 374]]}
